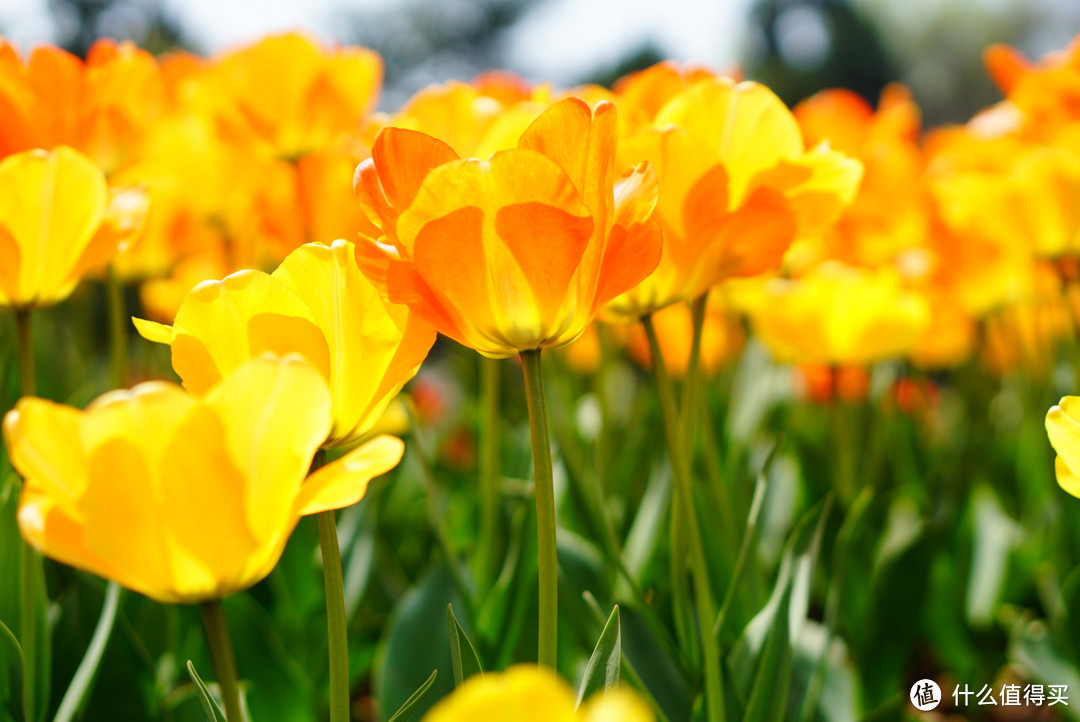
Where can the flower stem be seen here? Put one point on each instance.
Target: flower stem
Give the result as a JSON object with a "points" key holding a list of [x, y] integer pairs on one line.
{"points": [[32, 563], [545, 508], [118, 347], [24, 328], [486, 561], [691, 389], [336, 623], [680, 470], [222, 656]]}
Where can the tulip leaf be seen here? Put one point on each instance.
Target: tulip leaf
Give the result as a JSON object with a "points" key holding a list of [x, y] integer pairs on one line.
{"points": [[406, 709], [80, 685], [209, 704], [463, 656], [602, 671], [11, 669]]}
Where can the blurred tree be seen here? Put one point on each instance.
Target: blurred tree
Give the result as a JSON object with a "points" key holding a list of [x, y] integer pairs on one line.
{"points": [[802, 46], [428, 41], [80, 22]]}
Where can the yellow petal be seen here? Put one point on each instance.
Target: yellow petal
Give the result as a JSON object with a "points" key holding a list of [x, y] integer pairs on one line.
{"points": [[616, 705], [276, 413], [153, 331], [222, 324], [43, 442], [746, 123], [523, 693], [345, 481], [375, 347], [1063, 428]]}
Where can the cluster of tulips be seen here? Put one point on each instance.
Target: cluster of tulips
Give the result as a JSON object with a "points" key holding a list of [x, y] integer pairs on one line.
{"points": [[299, 253]]}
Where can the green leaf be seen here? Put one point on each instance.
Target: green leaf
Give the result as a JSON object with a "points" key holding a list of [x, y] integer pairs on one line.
{"points": [[602, 671], [413, 648], [1033, 651], [406, 709], [80, 685], [464, 658], [769, 694], [209, 704], [760, 660], [11, 668]]}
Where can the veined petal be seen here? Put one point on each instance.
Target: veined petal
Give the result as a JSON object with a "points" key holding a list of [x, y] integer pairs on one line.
{"points": [[344, 482], [222, 324], [375, 346], [276, 413]]}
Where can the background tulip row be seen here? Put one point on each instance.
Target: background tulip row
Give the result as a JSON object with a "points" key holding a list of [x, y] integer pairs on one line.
{"points": [[720, 409]]}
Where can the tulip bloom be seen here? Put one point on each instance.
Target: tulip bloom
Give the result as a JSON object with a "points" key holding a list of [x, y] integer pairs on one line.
{"points": [[317, 304], [52, 207], [840, 315], [518, 252], [737, 187], [102, 106], [293, 96], [1063, 428], [533, 694], [184, 499]]}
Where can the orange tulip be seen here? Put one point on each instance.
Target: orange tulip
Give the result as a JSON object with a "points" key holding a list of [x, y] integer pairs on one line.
{"points": [[101, 107], [293, 96], [517, 252], [737, 187]]}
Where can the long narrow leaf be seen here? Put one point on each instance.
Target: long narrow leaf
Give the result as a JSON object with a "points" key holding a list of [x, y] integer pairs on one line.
{"points": [[209, 704], [466, 661], [602, 670], [84, 676], [406, 709]]}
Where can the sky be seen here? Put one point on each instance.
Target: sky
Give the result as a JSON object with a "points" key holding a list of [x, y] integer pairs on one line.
{"points": [[555, 41]]}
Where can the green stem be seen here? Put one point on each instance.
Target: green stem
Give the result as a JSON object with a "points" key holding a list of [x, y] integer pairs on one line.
{"points": [[680, 469], [118, 340], [336, 622], [25, 330], [32, 563], [79, 689], [223, 657], [692, 386], [487, 560], [545, 508]]}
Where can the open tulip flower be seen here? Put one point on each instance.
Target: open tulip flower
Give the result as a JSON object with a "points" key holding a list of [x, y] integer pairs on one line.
{"points": [[102, 106], [1063, 428], [737, 187], [317, 304], [840, 314], [179, 498], [293, 96], [517, 252], [534, 694], [52, 207]]}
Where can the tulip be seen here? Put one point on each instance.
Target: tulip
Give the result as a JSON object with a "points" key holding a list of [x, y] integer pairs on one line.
{"points": [[102, 107], [1063, 428], [129, 488], [737, 187], [316, 304], [840, 315], [52, 205], [518, 252], [531, 694], [291, 96]]}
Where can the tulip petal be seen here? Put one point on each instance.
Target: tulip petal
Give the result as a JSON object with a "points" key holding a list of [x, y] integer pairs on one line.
{"points": [[635, 244], [209, 541], [222, 324], [153, 331], [344, 482], [276, 413], [43, 442], [375, 347], [749, 126]]}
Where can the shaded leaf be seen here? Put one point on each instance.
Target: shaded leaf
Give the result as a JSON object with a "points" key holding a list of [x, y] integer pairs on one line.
{"points": [[406, 709], [602, 671], [209, 704], [463, 654]]}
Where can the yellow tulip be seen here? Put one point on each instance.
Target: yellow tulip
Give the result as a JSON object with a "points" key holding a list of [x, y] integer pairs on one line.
{"points": [[318, 304], [840, 314], [533, 694], [52, 205], [1063, 428], [179, 498]]}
